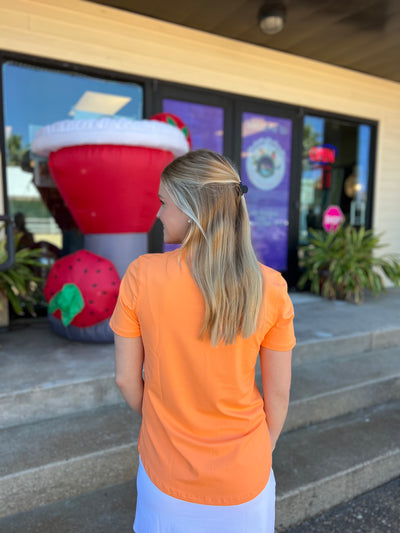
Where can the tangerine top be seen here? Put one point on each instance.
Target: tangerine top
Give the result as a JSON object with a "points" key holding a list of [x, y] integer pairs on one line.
{"points": [[204, 436]]}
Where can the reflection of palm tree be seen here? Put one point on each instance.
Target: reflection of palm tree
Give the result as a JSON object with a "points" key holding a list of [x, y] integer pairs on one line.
{"points": [[310, 138], [14, 150]]}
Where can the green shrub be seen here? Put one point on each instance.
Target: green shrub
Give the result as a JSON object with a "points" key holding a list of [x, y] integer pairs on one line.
{"points": [[343, 264], [19, 283]]}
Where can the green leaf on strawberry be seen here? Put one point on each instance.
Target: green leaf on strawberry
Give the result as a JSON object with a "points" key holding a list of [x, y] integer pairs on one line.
{"points": [[69, 301]]}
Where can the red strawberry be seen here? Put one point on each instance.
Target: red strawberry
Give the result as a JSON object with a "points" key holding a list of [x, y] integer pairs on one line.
{"points": [[82, 289]]}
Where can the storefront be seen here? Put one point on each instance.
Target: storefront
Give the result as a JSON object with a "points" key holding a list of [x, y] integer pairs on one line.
{"points": [[300, 149], [273, 145]]}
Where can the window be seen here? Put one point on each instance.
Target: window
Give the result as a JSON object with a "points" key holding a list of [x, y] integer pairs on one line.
{"points": [[34, 97], [336, 171]]}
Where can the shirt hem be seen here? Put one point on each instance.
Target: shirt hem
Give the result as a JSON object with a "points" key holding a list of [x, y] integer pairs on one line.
{"points": [[204, 500]]}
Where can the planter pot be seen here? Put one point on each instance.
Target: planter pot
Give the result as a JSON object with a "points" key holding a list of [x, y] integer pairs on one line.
{"points": [[4, 311]]}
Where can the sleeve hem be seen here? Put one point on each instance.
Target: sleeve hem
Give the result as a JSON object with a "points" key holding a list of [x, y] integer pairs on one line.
{"points": [[125, 333], [279, 347]]}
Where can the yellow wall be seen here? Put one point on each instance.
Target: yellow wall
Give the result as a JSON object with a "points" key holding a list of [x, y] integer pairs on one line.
{"points": [[86, 33]]}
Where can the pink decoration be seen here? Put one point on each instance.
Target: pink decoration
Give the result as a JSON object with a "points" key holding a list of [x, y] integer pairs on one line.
{"points": [[332, 218]]}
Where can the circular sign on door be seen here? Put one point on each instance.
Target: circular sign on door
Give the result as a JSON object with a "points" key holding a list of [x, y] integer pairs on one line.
{"points": [[265, 163], [332, 218]]}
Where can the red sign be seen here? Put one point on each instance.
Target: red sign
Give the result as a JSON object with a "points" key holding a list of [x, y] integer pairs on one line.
{"points": [[332, 218], [325, 154]]}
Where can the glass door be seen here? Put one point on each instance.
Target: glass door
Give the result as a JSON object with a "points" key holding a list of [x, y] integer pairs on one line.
{"points": [[266, 167], [336, 172]]}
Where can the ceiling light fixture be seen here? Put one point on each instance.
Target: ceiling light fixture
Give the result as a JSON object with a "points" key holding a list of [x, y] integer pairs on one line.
{"points": [[272, 18]]}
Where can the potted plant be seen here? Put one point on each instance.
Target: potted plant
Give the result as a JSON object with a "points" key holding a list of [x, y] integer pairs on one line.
{"points": [[343, 264], [18, 283]]}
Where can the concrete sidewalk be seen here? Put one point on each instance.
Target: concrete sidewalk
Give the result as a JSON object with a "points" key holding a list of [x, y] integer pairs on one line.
{"points": [[318, 319]]}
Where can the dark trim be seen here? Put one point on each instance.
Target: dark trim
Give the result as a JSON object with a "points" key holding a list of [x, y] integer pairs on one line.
{"points": [[85, 70], [147, 98], [155, 238], [3, 143], [4, 218], [333, 115], [371, 178], [294, 210]]}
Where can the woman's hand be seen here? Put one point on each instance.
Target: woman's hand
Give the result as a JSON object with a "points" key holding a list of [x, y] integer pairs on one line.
{"points": [[276, 377], [129, 355]]}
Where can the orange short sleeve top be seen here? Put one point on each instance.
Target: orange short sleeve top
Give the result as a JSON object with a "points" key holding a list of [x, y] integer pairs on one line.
{"points": [[204, 436]]}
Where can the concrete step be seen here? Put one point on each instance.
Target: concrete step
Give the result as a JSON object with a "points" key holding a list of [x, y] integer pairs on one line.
{"points": [[332, 462], [333, 387], [59, 458], [315, 467], [376, 511], [329, 345], [320, 389], [328, 388], [45, 376], [106, 510], [326, 328], [57, 398]]}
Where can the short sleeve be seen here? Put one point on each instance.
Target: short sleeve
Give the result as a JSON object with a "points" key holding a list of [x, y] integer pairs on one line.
{"points": [[124, 320], [280, 335]]}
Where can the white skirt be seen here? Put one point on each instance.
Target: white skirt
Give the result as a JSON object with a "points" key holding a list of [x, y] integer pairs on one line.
{"points": [[157, 512]]}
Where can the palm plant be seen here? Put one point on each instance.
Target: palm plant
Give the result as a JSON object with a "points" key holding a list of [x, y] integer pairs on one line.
{"points": [[343, 264], [19, 283]]}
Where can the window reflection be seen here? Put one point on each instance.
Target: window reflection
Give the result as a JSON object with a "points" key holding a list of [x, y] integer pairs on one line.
{"points": [[335, 171], [34, 97]]}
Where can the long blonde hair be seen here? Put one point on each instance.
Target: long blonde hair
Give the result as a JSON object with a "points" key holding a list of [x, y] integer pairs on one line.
{"points": [[205, 186]]}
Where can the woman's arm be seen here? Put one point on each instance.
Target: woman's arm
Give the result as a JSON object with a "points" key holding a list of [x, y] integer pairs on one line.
{"points": [[129, 354], [276, 377]]}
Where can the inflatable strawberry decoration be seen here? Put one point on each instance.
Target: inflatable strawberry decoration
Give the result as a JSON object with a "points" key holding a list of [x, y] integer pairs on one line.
{"points": [[82, 289]]}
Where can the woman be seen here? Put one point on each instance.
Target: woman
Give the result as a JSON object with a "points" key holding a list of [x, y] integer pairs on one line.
{"points": [[197, 318]]}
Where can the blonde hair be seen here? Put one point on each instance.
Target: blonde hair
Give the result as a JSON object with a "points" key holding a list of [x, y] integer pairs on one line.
{"points": [[205, 186]]}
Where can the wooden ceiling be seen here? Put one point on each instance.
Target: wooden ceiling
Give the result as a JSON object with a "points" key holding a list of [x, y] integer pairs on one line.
{"points": [[362, 35]]}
